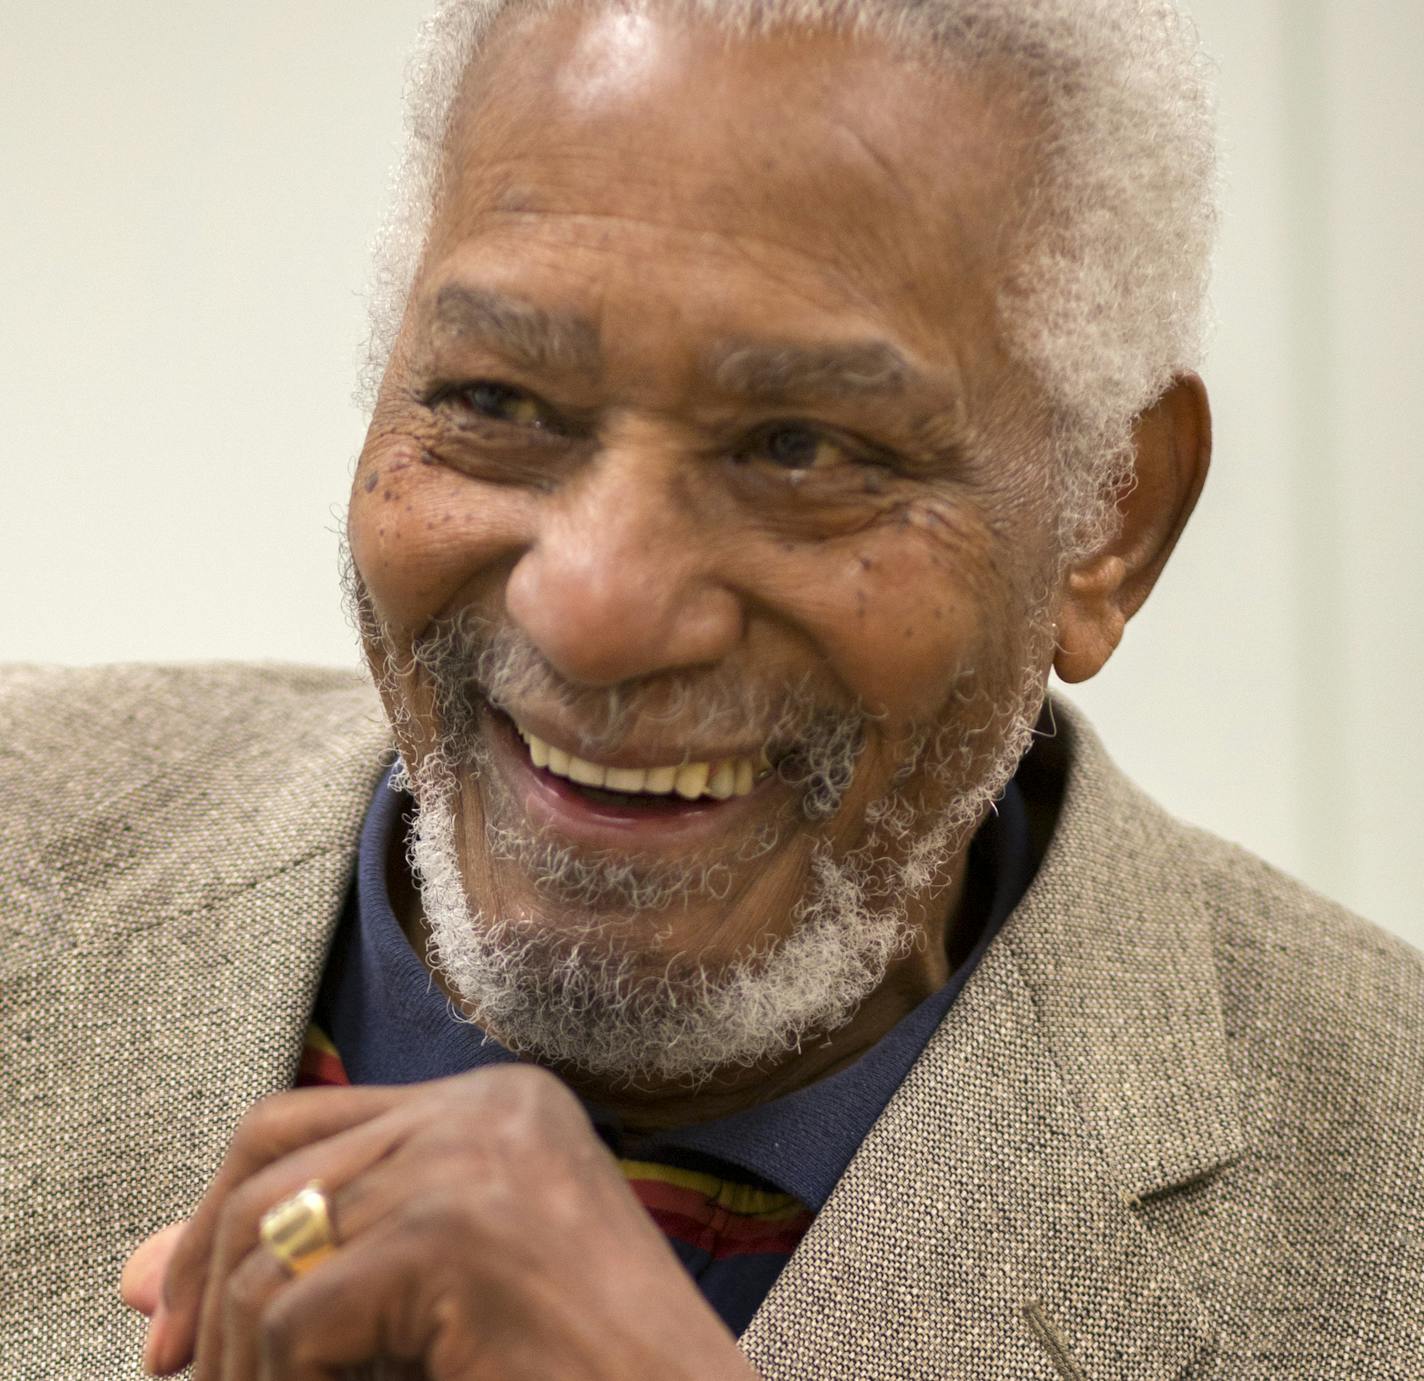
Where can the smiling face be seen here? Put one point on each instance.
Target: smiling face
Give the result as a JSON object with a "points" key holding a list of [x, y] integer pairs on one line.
{"points": [[701, 522]]}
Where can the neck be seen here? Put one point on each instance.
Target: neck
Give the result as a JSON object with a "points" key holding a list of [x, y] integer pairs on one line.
{"points": [[654, 1106]]}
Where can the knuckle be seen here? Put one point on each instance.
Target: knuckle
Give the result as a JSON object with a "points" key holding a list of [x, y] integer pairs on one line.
{"points": [[432, 1212], [525, 1101], [244, 1206], [519, 1124], [540, 1083], [260, 1120], [278, 1334], [246, 1290]]}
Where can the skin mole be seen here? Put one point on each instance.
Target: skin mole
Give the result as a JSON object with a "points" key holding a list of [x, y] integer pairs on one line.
{"points": [[372, 480]]}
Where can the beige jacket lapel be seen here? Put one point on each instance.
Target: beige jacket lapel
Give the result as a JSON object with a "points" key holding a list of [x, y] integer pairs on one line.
{"points": [[986, 1227]]}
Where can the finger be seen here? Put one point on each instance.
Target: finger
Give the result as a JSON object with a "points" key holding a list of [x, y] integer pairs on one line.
{"points": [[333, 1163], [248, 1292], [142, 1277], [361, 1305], [273, 1129]]}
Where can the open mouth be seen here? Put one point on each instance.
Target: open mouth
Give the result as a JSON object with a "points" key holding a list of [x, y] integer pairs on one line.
{"points": [[669, 788]]}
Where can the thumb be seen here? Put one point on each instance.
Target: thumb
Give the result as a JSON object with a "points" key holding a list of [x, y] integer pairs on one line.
{"points": [[142, 1278]]}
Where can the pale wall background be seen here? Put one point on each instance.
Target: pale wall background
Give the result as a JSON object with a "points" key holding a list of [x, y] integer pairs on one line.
{"points": [[187, 190]]}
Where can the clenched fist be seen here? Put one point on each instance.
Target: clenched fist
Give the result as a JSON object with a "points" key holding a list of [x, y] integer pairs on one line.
{"points": [[485, 1234]]}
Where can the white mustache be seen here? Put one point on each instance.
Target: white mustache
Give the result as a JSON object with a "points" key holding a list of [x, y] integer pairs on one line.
{"points": [[469, 662]]}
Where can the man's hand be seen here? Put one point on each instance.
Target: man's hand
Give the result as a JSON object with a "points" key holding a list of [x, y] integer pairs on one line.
{"points": [[484, 1232]]}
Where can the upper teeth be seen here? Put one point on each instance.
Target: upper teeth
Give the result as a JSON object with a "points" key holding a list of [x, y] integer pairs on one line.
{"points": [[720, 779]]}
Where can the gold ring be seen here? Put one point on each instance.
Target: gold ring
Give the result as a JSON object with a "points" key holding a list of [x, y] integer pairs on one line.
{"points": [[298, 1230]]}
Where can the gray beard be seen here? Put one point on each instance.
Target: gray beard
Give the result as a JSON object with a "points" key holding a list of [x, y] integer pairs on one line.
{"points": [[589, 998]]}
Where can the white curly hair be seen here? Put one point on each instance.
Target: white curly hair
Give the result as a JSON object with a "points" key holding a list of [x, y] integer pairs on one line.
{"points": [[1108, 302]]}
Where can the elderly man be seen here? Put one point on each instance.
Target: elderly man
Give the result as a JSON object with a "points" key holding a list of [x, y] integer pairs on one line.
{"points": [[770, 395]]}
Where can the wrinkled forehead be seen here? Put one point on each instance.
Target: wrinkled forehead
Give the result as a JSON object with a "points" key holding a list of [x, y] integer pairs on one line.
{"points": [[836, 145]]}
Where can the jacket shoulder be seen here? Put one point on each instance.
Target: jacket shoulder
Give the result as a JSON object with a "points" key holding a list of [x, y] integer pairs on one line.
{"points": [[1291, 965], [1309, 1250], [1323, 1014], [175, 847], [1305, 1247], [103, 721], [126, 695], [1306, 969], [164, 779]]}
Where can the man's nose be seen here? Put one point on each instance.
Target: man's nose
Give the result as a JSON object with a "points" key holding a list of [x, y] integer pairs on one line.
{"points": [[621, 579]]}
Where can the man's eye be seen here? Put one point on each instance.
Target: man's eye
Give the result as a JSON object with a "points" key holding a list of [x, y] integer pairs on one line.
{"points": [[794, 448], [498, 403]]}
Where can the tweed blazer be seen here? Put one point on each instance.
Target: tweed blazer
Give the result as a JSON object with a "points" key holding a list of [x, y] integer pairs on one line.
{"points": [[1172, 1128]]}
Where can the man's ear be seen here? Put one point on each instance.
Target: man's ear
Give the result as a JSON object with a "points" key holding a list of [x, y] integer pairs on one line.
{"points": [[1172, 441]]}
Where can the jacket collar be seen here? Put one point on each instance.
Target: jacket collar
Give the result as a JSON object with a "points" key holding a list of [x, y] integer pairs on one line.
{"points": [[1114, 943], [986, 1228]]}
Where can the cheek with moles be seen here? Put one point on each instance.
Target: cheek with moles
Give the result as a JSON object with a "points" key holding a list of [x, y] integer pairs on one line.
{"points": [[422, 545], [417, 538], [911, 615]]}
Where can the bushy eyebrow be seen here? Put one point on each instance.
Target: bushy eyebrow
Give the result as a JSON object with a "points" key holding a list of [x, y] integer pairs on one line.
{"points": [[801, 374], [770, 371], [520, 332]]}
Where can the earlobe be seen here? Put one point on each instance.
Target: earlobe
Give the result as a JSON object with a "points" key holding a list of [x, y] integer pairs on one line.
{"points": [[1091, 620], [1172, 453]]}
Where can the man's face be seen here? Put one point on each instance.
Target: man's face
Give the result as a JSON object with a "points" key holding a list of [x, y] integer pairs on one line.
{"points": [[698, 460]]}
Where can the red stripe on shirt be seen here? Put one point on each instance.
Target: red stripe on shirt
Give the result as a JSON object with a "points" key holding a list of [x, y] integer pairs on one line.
{"points": [[687, 1210]]}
